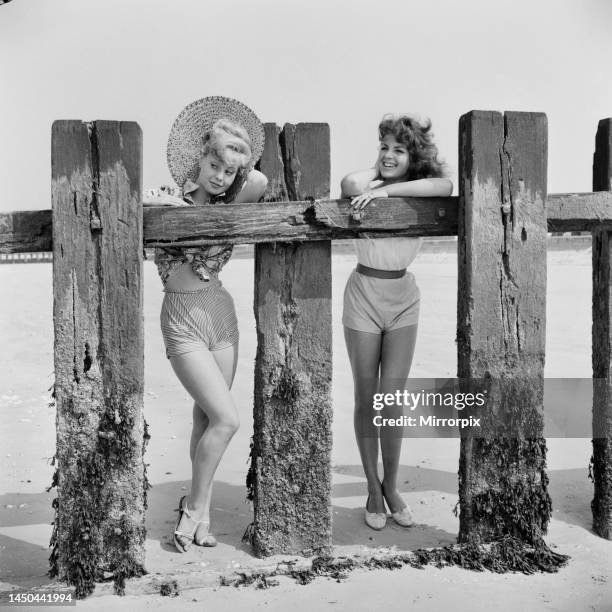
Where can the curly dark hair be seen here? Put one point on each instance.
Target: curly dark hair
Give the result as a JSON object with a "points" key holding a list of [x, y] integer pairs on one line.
{"points": [[418, 139]]}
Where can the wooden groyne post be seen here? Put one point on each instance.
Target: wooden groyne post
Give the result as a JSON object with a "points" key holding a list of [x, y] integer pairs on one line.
{"points": [[99, 527], [290, 473], [501, 314], [602, 343]]}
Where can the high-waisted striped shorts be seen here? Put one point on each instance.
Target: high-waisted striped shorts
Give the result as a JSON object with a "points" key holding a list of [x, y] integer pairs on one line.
{"points": [[193, 320], [379, 305]]}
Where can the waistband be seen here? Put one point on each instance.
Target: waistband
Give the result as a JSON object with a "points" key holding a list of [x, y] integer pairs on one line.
{"points": [[367, 271], [210, 284]]}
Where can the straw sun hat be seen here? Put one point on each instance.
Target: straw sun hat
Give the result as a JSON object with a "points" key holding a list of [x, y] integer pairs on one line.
{"points": [[197, 118]]}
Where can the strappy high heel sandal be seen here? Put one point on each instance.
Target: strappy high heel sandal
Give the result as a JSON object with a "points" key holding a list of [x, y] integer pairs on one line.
{"points": [[181, 534], [208, 540]]}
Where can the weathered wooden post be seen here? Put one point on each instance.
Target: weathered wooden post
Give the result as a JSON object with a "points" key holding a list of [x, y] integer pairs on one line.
{"points": [[602, 343], [97, 311], [501, 322], [290, 474]]}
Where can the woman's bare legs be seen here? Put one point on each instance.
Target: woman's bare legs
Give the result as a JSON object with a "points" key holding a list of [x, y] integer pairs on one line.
{"points": [[207, 376], [396, 359], [199, 418], [364, 350]]}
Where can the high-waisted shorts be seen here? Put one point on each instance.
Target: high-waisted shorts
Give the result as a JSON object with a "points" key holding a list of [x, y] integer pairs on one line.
{"points": [[193, 320], [379, 305]]}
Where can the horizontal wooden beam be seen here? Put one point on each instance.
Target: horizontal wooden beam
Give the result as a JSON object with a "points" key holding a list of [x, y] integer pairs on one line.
{"points": [[579, 212], [27, 231], [297, 221], [30, 231]]}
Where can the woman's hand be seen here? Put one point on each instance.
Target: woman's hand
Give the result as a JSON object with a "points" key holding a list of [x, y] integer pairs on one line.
{"points": [[359, 203], [159, 197], [165, 200]]}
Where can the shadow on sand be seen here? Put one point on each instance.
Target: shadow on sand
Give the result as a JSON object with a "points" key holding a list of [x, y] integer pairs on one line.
{"points": [[25, 530]]}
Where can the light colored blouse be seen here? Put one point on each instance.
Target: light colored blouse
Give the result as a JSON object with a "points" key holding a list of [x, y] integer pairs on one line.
{"points": [[206, 261], [387, 253]]}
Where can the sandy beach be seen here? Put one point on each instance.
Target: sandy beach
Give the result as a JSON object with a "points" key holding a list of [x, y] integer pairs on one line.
{"points": [[428, 466]]}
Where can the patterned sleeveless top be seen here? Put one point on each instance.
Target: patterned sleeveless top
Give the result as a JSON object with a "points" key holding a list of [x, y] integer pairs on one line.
{"points": [[206, 261]]}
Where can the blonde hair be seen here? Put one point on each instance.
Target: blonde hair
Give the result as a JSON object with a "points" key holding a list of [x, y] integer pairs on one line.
{"points": [[229, 142]]}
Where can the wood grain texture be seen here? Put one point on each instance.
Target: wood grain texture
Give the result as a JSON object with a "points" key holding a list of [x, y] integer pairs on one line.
{"points": [[306, 155], [292, 221], [602, 342], [579, 212], [26, 231], [290, 473], [272, 162], [277, 220], [99, 356], [501, 322]]}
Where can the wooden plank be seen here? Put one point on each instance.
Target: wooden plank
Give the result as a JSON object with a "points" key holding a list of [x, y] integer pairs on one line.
{"points": [[579, 212], [236, 223], [290, 473], [99, 356], [419, 216], [292, 221], [25, 232], [282, 221], [602, 342], [254, 223], [501, 323]]}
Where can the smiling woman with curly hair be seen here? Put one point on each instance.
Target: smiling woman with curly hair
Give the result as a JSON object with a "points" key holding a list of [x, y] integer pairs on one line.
{"points": [[381, 301], [418, 139]]}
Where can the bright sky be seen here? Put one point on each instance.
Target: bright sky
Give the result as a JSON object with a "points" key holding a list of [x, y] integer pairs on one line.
{"points": [[345, 62]]}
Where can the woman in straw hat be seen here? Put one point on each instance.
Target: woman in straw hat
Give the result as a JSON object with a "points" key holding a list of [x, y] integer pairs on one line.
{"points": [[213, 145]]}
